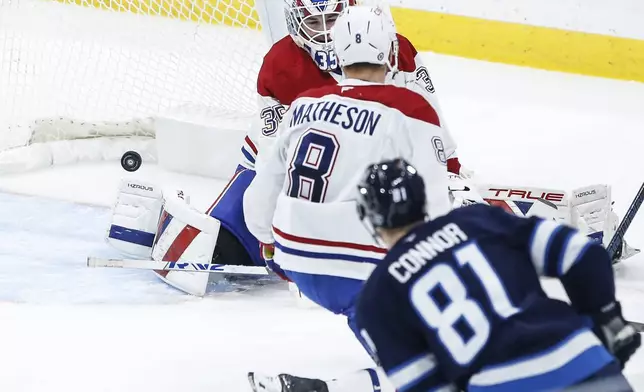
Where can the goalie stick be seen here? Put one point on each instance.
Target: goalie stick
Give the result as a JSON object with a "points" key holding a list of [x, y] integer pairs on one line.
{"points": [[94, 262], [618, 237], [639, 327]]}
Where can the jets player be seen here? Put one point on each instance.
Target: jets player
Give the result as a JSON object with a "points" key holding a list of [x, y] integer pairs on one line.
{"points": [[303, 60], [457, 305], [302, 198]]}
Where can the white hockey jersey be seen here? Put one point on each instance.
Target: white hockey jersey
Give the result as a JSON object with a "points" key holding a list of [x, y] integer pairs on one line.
{"points": [[288, 71], [303, 196]]}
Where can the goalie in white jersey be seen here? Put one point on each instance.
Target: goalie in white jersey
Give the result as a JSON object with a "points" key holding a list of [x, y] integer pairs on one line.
{"points": [[302, 200]]}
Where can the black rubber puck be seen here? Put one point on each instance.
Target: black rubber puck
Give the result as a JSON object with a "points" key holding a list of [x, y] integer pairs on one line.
{"points": [[131, 161]]}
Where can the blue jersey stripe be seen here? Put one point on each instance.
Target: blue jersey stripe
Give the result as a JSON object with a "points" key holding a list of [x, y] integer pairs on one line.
{"points": [[320, 255], [248, 155]]}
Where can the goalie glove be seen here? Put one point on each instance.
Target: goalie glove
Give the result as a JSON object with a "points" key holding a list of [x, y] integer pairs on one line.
{"points": [[618, 336]]}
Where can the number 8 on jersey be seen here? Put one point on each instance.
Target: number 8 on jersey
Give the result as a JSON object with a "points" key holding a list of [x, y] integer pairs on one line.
{"points": [[312, 165]]}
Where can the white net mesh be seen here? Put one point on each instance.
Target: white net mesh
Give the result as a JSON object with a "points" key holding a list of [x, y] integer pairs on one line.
{"points": [[112, 61]]}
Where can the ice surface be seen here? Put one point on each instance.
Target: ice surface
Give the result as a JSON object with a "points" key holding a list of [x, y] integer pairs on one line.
{"points": [[66, 328]]}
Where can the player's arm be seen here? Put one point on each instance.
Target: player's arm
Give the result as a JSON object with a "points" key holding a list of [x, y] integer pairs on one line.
{"points": [[585, 270], [560, 251], [260, 199], [415, 76], [424, 86], [271, 112], [421, 142], [432, 163], [393, 340], [266, 122]]}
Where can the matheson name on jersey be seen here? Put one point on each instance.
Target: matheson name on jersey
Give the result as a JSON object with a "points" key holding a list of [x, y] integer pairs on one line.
{"points": [[425, 250], [360, 120]]}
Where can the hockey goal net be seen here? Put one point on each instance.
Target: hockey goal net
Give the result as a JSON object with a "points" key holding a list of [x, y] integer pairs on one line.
{"points": [[75, 71]]}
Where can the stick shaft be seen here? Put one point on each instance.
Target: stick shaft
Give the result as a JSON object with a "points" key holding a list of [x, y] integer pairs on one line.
{"points": [[94, 262], [616, 241]]}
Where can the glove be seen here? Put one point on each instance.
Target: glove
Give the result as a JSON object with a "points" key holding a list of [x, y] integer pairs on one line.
{"points": [[267, 251], [454, 166], [285, 383], [462, 192], [620, 338]]}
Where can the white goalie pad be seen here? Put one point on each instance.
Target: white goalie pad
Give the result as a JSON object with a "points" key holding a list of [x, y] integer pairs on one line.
{"points": [[134, 218], [591, 212], [546, 203], [588, 209], [186, 235]]}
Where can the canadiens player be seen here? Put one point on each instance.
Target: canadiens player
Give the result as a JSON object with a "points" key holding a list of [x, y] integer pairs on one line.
{"points": [[301, 201], [303, 60], [456, 304]]}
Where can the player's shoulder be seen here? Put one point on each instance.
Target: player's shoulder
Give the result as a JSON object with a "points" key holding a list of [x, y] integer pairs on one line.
{"points": [[406, 101], [287, 71], [481, 220], [281, 62], [406, 54], [474, 214], [281, 53], [458, 226]]}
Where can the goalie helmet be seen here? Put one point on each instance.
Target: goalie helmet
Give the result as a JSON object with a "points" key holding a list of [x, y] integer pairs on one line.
{"points": [[366, 35], [391, 195], [309, 23]]}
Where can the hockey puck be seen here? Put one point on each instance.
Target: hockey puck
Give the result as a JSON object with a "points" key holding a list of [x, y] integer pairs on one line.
{"points": [[131, 161]]}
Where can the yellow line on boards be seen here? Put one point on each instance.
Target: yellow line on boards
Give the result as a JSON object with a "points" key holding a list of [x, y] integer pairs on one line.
{"points": [[513, 43], [481, 39]]}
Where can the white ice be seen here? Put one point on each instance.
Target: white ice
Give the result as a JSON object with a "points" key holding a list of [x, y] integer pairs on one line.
{"points": [[67, 328]]}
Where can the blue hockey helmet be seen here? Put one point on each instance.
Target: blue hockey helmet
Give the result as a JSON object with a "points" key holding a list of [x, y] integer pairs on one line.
{"points": [[391, 195]]}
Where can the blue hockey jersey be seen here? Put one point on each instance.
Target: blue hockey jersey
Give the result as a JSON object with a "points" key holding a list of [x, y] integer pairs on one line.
{"points": [[457, 305]]}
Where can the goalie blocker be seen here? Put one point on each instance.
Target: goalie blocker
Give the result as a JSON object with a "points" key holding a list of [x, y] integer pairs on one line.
{"points": [[147, 224]]}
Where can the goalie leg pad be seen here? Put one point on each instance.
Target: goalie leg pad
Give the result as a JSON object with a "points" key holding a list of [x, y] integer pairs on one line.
{"points": [[188, 235], [550, 204], [591, 212], [134, 218]]}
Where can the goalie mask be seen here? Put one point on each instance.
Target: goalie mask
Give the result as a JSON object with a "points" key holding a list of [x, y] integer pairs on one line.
{"points": [[309, 24]]}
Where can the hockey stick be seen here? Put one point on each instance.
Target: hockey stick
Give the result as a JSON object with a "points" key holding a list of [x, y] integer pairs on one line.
{"points": [[94, 262], [639, 327], [618, 237]]}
